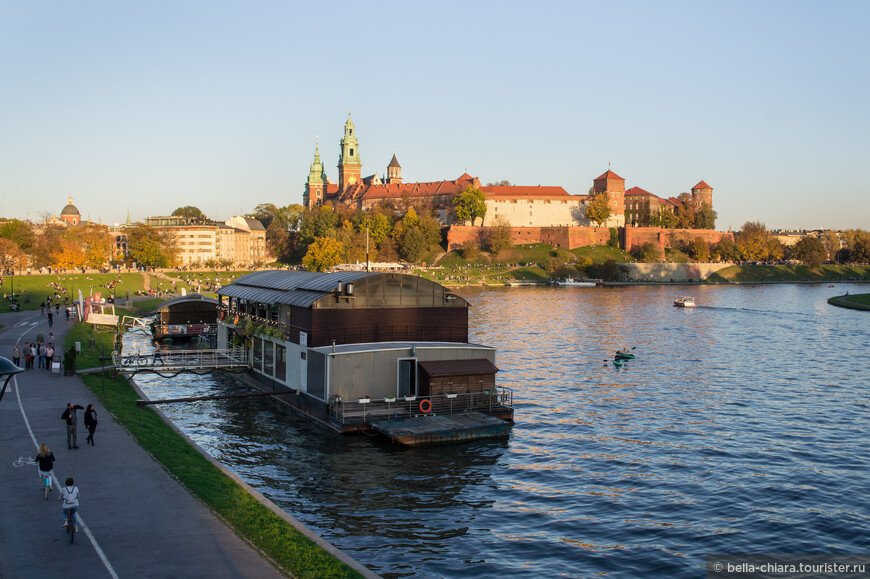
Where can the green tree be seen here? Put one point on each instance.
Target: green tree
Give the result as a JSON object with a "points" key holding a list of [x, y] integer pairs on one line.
{"points": [[727, 250], [149, 247], [650, 252], [322, 221], [861, 250], [699, 250], [706, 217], [20, 233], [667, 218], [190, 212], [810, 251], [469, 205], [499, 235], [431, 230], [598, 208], [323, 253], [413, 245]]}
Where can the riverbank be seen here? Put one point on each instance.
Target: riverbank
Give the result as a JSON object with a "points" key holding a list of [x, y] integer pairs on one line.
{"points": [[264, 527], [853, 302]]}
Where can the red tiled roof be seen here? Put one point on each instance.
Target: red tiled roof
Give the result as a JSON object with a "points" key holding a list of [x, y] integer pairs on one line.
{"points": [[609, 175], [471, 367], [637, 191], [398, 190], [701, 185]]}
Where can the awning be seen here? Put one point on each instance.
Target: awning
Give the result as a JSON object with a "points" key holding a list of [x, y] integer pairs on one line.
{"points": [[472, 367]]}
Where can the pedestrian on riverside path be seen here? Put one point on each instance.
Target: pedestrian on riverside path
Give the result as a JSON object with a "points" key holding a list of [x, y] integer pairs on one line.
{"points": [[27, 358], [49, 356], [40, 353], [34, 352], [66, 311], [91, 423], [71, 424], [16, 354], [50, 318]]}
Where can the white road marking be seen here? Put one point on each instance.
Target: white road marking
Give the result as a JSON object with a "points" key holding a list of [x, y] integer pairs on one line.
{"points": [[81, 521]]}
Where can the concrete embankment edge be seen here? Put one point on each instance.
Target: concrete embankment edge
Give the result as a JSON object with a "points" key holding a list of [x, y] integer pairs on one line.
{"points": [[314, 537], [844, 302]]}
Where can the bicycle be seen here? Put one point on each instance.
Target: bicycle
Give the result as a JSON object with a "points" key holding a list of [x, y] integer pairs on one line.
{"points": [[46, 484], [138, 360], [71, 523]]}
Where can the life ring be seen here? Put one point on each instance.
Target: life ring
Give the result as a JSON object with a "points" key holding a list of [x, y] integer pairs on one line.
{"points": [[428, 406]]}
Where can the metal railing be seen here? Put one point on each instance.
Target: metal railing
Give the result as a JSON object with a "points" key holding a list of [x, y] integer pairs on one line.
{"points": [[499, 400], [177, 360]]}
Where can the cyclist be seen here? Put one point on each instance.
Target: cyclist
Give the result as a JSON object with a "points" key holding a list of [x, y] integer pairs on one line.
{"points": [[45, 463], [70, 496]]}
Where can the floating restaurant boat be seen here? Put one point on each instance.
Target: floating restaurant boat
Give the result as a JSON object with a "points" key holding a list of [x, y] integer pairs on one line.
{"points": [[187, 316], [574, 283], [370, 351], [685, 302]]}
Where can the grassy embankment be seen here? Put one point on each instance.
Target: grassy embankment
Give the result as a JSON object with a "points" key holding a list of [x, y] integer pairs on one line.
{"points": [[855, 301], [38, 287], [198, 280], [274, 536], [789, 273], [521, 262]]}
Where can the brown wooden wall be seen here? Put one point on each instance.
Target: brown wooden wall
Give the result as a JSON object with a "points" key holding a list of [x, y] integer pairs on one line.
{"points": [[433, 386], [387, 325]]}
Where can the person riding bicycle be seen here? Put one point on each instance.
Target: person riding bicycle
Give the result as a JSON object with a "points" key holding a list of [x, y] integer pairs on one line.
{"points": [[70, 497], [45, 464]]}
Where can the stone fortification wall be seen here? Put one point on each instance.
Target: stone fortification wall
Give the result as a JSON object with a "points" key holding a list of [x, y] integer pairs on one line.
{"points": [[637, 236], [667, 272], [566, 237]]}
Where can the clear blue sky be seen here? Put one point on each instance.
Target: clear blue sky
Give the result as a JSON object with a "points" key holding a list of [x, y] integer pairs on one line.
{"points": [[154, 105]]}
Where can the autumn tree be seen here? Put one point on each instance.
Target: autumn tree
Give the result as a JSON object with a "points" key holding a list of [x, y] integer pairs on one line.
{"points": [[323, 253], [810, 251], [11, 255], [705, 218], [69, 255], [699, 250], [598, 209], [685, 211], [469, 205], [95, 241], [151, 247], [726, 250], [20, 233], [499, 235]]}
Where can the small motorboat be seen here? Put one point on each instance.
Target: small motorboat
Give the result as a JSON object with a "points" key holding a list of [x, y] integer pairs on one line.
{"points": [[684, 302], [574, 283]]}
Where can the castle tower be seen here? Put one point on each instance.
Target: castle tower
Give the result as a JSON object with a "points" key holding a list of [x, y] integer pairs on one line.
{"points": [[614, 186], [394, 171], [701, 194], [349, 164], [316, 185]]}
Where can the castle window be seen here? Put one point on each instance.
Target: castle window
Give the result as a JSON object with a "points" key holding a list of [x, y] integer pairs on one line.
{"points": [[351, 152]]}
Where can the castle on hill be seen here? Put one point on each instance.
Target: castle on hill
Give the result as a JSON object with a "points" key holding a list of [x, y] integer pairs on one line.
{"points": [[517, 205]]}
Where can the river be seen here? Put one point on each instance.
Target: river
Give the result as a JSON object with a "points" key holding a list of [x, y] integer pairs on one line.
{"points": [[741, 427]]}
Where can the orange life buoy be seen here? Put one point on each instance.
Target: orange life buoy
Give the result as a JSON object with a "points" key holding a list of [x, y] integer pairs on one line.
{"points": [[428, 406]]}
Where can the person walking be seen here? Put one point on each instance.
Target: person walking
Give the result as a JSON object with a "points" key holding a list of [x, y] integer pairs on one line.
{"points": [[70, 497], [91, 423], [49, 356], [44, 463], [50, 318], [40, 353], [16, 354], [71, 424], [66, 312]]}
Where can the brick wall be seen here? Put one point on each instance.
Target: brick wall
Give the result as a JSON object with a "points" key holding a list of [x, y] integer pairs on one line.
{"points": [[637, 236], [566, 237]]}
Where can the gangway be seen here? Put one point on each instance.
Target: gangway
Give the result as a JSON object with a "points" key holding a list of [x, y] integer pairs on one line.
{"points": [[177, 361], [139, 325]]}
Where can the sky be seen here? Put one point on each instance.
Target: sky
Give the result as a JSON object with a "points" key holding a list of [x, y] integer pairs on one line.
{"points": [[148, 106]]}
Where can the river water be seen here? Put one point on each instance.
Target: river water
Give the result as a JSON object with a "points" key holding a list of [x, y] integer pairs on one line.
{"points": [[741, 427]]}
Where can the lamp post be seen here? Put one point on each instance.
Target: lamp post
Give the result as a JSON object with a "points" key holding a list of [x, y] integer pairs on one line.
{"points": [[7, 369]]}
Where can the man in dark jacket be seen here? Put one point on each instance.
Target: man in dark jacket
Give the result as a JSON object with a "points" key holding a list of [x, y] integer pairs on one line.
{"points": [[71, 423]]}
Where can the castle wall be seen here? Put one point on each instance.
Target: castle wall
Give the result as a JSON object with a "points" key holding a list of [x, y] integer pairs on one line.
{"points": [[565, 237], [637, 236]]}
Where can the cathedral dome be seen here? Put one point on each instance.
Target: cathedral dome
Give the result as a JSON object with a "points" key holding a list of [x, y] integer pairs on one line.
{"points": [[70, 209]]}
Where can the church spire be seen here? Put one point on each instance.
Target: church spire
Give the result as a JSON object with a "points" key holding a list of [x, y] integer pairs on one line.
{"points": [[315, 188], [349, 162]]}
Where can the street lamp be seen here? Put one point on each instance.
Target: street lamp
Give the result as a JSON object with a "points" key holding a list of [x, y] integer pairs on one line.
{"points": [[8, 369]]}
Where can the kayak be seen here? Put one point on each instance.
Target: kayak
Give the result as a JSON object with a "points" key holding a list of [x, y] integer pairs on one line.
{"points": [[617, 362], [624, 356]]}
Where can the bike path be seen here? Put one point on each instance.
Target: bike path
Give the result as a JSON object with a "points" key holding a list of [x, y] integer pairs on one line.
{"points": [[143, 521]]}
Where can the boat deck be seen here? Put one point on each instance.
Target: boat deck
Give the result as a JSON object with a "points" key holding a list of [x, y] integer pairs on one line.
{"points": [[434, 429]]}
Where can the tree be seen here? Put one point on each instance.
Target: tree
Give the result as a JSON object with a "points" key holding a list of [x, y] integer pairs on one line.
{"points": [[686, 211], [20, 233], [150, 247], [190, 212], [431, 230], [861, 250], [96, 243], [502, 183], [706, 217], [388, 250], [650, 252], [499, 236], [667, 218], [470, 250], [699, 250], [753, 240], [727, 250], [413, 245], [598, 209], [469, 205], [810, 251], [69, 255], [323, 252], [10, 255], [321, 221]]}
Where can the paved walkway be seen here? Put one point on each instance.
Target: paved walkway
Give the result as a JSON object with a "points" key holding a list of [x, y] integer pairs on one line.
{"points": [[136, 521]]}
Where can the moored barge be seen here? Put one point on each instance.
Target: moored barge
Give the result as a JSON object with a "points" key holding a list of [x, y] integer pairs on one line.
{"points": [[370, 351]]}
